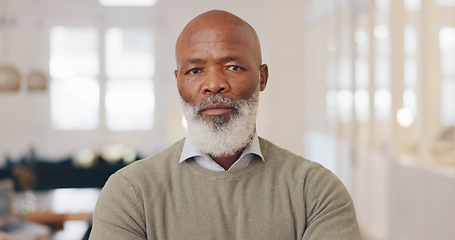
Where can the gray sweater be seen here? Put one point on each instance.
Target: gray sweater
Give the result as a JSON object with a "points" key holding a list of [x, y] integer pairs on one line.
{"points": [[284, 197]]}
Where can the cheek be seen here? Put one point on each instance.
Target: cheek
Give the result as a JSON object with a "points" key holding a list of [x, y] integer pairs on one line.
{"points": [[245, 89], [186, 91]]}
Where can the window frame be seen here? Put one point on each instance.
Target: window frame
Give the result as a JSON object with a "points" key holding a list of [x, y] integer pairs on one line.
{"points": [[89, 16]]}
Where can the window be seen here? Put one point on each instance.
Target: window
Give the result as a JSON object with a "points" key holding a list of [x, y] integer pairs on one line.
{"points": [[331, 100], [447, 59], [410, 73], [447, 100], [447, 50], [410, 40], [410, 101], [362, 105], [382, 5], [408, 113], [128, 87], [345, 103], [128, 3], [382, 103], [361, 96], [446, 3], [412, 5], [362, 73], [382, 74], [74, 71], [130, 68]]}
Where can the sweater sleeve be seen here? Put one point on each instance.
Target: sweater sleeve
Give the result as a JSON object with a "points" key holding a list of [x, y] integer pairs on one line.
{"points": [[329, 208], [118, 212]]}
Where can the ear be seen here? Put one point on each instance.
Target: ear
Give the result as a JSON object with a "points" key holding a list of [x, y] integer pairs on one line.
{"points": [[176, 73], [264, 72]]}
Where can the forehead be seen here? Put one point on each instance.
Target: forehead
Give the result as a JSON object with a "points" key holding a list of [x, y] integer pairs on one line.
{"points": [[205, 36], [215, 40]]}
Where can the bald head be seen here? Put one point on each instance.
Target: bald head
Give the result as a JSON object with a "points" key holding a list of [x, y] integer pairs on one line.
{"points": [[217, 25], [219, 53]]}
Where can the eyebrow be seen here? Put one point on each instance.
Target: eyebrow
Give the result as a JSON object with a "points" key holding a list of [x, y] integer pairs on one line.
{"points": [[194, 60], [233, 59], [224, 59]]}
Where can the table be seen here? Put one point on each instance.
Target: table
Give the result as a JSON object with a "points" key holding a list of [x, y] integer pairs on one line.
{"points": [[56, 206], [67, 211]]}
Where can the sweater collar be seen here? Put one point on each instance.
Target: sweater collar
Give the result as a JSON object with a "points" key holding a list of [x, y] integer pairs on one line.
{"points": [[190, 151]]}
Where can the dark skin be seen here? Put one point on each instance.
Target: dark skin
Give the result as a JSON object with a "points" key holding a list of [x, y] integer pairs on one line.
{"points": [[219, 53]]}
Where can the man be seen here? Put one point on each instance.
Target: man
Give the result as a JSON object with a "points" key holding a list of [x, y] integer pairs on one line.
{"points": [[222, 181]]}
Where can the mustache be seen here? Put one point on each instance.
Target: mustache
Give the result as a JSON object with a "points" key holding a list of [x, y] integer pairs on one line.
{"points": [[217, 99]]}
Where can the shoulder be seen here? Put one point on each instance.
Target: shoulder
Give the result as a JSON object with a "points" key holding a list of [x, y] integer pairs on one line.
{"points": [[328, 204], [283, 158], [156, 165], [314, 177]]}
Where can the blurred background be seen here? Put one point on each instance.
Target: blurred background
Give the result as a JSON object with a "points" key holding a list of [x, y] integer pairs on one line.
{"points": [[364, 87]]}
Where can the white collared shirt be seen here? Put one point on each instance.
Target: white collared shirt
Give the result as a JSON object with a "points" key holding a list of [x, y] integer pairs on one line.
{"points": [[189, 151]]}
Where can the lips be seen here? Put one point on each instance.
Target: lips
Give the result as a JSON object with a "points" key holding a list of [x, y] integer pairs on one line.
{"points": [[216, 109]]}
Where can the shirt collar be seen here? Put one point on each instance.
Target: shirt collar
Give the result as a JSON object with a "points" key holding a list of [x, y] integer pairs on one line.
{"points": [[189, 150]]}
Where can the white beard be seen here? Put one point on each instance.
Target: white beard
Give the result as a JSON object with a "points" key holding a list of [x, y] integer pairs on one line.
{"points": [[219, 137]]}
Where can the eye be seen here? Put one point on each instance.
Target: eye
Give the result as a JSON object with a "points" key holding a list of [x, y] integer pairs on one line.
{"points": [[194, 71], [234, 68]]}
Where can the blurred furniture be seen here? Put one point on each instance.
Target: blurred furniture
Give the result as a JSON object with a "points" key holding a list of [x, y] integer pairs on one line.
{"points": [[67, 212], [55, 207], [12, 226], [50, 174]]}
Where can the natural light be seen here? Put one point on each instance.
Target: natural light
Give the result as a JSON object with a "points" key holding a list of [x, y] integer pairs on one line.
{"points": [[129, 105], [362, 105], [382, 104], [447, 100], [128, 3], [74, 70], [345, 103], [447, 50], [446, 3], [130, 99], [74, 104], [75, 89]]}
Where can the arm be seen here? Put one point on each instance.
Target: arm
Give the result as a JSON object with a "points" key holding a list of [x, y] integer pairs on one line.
{"points": [[329, 210], [119, 212]]}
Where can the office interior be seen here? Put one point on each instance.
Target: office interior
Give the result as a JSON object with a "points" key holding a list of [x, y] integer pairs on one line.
{"points": [[364, 87]]}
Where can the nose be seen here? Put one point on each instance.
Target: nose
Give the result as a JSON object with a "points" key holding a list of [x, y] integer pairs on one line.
{"points": [[215, 82]]}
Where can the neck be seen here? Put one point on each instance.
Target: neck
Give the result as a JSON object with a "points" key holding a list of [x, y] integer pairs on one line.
{"points": [[227, 161]]}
